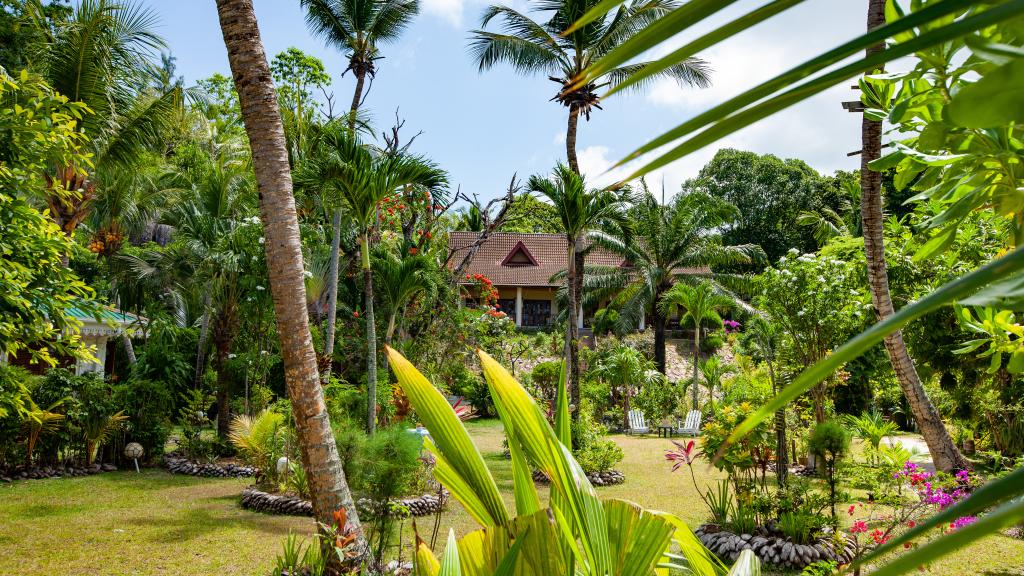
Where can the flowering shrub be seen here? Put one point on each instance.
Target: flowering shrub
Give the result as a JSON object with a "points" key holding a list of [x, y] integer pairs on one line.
{"points": [[744, 459]]}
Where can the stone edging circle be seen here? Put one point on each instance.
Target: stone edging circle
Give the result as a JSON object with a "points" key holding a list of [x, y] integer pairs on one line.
{"points": [[176, 465], [260, 501], [774, 550], [606, 478], [42, 472]]}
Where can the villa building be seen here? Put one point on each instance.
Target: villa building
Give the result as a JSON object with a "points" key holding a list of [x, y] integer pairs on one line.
{"points": [[520, 266]]}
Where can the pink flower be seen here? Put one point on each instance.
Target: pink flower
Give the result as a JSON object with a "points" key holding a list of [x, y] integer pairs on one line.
{"points": [[859, 527], [962, 521], [851, 510], [684, 455]]}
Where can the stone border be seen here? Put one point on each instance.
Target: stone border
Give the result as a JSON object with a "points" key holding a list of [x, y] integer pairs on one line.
{"points": [[176, 465], [606, 478], [774, 550], [43, 472], [260, 501]]}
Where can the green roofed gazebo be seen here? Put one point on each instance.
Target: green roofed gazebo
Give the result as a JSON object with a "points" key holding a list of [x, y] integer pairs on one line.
{"points": [[97, 332]]}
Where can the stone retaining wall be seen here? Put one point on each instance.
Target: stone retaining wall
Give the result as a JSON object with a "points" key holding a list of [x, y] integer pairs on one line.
{"points": [[259, 501], [774, 550], [176, 465], [606, 478], [40, 472]]}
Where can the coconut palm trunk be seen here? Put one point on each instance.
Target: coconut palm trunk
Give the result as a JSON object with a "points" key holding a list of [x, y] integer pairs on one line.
{"points": [[572, 333], [570, 138], [332, 293], [944, 453], [328, 488], [371, 340], [660, 322], [332, 275], [696, 360]]}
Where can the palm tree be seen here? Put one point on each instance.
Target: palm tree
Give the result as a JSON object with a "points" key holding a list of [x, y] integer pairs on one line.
{"points": [[578, 211], [627, 369], [663, 245], [945, 454], [362, 178], [700, 305], [533, 47], [104, 56], [400, 279], [356, 27], [329, 490], [713, 370]]}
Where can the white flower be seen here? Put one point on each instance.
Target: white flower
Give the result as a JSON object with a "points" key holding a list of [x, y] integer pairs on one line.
{"points": [[264, 352], [801, 313], [307, 273], [231, 355], [262, 240], [260, 288]]}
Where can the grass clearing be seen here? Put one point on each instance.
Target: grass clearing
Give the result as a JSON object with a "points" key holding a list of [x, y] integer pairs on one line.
{"points": [[156, 523]]}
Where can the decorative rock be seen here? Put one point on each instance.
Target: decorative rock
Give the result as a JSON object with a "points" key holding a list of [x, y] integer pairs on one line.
{"points": [[176, 465], [771, 548], [606, 478], [259, 501]]}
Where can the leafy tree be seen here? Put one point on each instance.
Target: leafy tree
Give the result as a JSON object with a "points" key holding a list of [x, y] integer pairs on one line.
{"points": [[362, 178], [770, 194], [664, 245], [36, 291], [18, 34], [531, 216], [629, 372], [296, 73], [541, 47], [103, 55], [221, 104], [578, 211]]}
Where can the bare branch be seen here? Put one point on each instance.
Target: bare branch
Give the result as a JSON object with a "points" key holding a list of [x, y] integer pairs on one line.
{"points": [[490, 224]]}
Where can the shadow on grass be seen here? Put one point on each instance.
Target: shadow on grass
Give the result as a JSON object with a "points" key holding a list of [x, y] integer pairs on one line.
{"points": [[193, 523]]}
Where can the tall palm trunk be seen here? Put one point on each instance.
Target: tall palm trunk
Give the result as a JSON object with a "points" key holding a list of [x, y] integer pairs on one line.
{"points": [[659, 321], [696, 369], [223, 345], [332, 278], [572, 334], [332, 293], [943, 451], [371, 340], [781, 459], [204, 336], [328, 488], [570, 138]]}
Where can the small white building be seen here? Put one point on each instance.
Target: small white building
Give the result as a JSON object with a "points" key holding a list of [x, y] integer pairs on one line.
{"points": [[98, 334]]}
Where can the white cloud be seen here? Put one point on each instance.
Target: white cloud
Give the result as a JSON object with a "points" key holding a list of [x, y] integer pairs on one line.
{"points": [[449, 10], [559, 138]]}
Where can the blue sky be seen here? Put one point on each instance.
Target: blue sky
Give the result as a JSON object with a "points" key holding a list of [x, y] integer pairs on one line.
{"points": [[484, 127]]}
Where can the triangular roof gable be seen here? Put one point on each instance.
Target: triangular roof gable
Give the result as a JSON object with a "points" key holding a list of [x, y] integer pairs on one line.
{"points": [[519, 255]]}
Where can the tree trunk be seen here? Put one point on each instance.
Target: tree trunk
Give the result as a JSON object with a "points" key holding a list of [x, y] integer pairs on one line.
{"points": [[332, 294], [571, 330], [696, 368], [943, 451], [204, 335], [570, 138], [371, 341], [781, 461], [328, 488], [574, 350], [659, 322], [129, 348], [357, 98], [223, 346]]}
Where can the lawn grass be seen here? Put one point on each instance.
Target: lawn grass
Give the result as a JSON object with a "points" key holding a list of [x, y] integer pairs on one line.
{"points": [[159, 524]]}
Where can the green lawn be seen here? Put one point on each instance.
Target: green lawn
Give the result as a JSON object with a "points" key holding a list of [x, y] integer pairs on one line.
{"points": [[156, 523]]}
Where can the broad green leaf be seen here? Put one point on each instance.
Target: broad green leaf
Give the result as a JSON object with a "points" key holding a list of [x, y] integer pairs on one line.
{"points": [[747, 564], [994, 100], [426, 563], [695, 556], [449, 434], [637, 538], [886, 162], [450, 560], [712, 38], [1007, 294], [946, 294], [810, 67], [583, 509]]}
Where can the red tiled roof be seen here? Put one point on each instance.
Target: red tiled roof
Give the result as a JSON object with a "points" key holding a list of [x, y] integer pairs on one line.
{"points": [[548, 250]]}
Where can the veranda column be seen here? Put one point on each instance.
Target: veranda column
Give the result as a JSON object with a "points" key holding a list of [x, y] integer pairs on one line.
{"points": [[519, 306], [579, 318]]}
